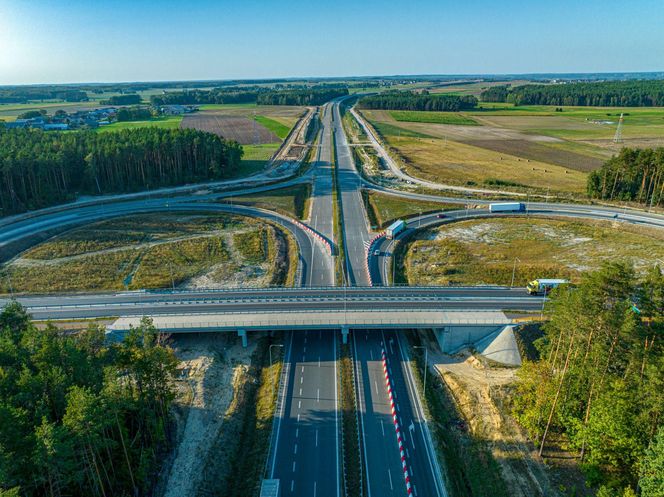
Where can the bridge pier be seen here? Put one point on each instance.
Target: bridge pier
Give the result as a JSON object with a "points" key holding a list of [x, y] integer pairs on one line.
{"points": [[243, 334], [344, 334]]}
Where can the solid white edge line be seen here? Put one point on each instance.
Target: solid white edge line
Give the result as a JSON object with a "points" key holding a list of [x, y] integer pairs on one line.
{"points": [[359, 407], [283, 406], [426, 440], [336, 412]]}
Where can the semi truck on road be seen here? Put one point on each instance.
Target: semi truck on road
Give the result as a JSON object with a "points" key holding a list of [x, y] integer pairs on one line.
{"points": [[507, 207], [395, 228], [543, 286]]}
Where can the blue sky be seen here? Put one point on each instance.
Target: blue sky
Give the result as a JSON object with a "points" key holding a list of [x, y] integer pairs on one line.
{"points": [[57, 41]]}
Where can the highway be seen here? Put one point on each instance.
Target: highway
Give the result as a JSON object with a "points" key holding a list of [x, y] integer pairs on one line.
{"points": [[384, 472], [354, 218], [306, 458], [305, 448], [320, 218]]}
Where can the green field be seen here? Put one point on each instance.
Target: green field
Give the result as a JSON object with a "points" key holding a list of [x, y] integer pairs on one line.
{"points": [[164, 122], [432, 117], [484, 251], [276, 127]]}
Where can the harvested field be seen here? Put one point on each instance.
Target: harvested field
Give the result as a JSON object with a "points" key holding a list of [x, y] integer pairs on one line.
{"points": [[539, 152], [456, 163], [241, 129]]}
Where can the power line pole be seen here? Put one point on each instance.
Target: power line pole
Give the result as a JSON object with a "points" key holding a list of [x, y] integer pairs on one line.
{"points": [[617, 138]]}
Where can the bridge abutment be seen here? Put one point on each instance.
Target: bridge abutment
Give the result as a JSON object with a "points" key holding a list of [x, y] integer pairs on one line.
{"points": [[344, 334]]}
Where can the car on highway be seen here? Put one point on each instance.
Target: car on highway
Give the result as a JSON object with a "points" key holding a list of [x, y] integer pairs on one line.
{"points": [[376, 253], [441, 216]]}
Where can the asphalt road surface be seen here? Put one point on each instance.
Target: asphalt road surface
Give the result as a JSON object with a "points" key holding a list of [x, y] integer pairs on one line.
{"points": [[321, 206], [384, 474], [307, 458], [355, 224]]}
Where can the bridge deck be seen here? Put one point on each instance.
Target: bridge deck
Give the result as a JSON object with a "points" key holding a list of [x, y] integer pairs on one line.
{"points": [[319, 319]]}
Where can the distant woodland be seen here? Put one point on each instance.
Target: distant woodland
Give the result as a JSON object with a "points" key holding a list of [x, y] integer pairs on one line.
{"points": [[406, 100], [128, 99], [38, 168], [634, 174], [198, 97], [604, 94], [79, 416], [259, 95], [309, 96], [20, 95]]}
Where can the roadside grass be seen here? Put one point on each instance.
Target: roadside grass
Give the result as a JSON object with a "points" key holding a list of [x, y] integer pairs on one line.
{"points": [[340, 259], [481, 251], [252, 244], [350, 431], [292, 201], [165, 122], [279, 129], [433, 117], [175, 263], [383, 209], [447, 161], [470, 468]]}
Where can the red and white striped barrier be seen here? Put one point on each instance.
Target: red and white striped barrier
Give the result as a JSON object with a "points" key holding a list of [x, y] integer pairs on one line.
{"points": [[316, 235], [397, 428], [367, 259]]}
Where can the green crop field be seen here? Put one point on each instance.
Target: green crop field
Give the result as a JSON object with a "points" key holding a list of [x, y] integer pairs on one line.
{"points": [[483, 251], [432, 117], [278, 128], [165, 122]]}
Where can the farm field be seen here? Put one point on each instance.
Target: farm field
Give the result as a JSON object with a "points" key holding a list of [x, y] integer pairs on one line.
{"points": [[153, 251], [414, 116], [484, 251], [578, 138], [165, 122]]}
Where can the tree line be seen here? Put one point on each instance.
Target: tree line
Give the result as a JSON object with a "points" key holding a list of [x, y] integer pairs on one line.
{"points": [[135, 113], [38, 168], [80, 416], [642, 93], [127, 99], [21, 95], [598, 385], [198, 97], [634, 174], [307, 96], [407, 100]]}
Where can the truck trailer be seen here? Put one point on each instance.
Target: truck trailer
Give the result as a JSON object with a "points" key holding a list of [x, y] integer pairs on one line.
{"points": [[543, 286], [507, 207], [395, 228]]}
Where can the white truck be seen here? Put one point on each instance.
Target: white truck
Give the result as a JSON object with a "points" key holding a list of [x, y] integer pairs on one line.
{"points": [[507, 207], [395, 228]]}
